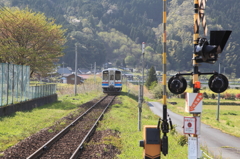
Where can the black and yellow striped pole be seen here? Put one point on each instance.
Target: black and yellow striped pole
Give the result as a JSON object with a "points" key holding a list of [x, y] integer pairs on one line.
{"points": [[195, 41], [164, 126], [164, 55], [153, 145]]}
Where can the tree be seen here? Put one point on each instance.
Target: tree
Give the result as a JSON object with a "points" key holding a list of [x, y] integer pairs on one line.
{"points": [[130, 60], [29, 38], [123, 63], [152, 77], [118, 63]]}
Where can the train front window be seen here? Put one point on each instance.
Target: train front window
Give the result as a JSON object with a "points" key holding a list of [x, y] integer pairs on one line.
{"points": [[118, 75], [105, 75]]}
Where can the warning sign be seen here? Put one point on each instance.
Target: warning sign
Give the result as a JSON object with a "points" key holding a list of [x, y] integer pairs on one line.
{"points": [[194, 102], [189, 125]]}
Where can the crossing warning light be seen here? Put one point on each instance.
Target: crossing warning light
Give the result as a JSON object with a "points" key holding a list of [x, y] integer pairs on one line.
{"points": [[177, 84], [208, 52], [218, 83], [197, 84]]}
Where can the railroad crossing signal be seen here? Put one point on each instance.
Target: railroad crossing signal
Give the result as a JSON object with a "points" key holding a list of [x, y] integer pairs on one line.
{"points": [[218, 83], [177, 84], [208, 52]]}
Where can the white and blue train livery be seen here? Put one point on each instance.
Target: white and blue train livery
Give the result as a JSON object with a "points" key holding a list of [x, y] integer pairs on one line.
{"points": [[111, 81]]}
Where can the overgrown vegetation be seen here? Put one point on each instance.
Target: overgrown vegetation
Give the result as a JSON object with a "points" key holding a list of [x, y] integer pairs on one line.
{"points": [[229, 117]]}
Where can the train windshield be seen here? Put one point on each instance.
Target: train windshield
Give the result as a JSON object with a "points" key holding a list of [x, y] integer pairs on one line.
{"points": [[105, 75], [118, 75]]}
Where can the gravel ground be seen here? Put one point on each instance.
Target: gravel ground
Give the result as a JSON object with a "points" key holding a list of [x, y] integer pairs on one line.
{"points": [[30, 144]]}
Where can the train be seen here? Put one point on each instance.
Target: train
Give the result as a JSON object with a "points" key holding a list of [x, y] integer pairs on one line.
{"points": [[112, 81]]}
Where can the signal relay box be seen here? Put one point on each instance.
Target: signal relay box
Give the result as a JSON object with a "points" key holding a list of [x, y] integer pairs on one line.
{"points": [[151, 142]]}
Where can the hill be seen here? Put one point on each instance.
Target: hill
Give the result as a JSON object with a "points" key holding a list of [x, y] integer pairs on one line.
{"points": [[113, 30]]}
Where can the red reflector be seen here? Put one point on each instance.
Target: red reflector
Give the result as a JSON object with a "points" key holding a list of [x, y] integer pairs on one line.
{"points": [[197, 84]]}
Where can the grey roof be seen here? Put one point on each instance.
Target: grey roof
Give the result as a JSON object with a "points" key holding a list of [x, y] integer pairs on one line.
{"points": [[64, 71]]}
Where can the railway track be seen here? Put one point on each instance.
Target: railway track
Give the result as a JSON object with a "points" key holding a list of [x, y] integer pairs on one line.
{"points": [[68, 143]]}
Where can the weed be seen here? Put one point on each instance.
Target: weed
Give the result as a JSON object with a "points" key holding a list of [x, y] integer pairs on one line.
{"points": [[183, 139], [50, 130], [228, 123], [230, 113]]}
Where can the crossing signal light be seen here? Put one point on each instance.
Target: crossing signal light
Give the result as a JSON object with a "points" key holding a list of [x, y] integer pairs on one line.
{"points": [[218, 83], [177, 84], [208, 52]]}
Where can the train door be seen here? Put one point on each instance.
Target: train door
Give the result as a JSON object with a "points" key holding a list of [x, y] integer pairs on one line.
{"points": [[111, 79]]}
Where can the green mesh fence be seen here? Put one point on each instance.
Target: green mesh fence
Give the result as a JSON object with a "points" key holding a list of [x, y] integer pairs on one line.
{"points": [[15, 85]]}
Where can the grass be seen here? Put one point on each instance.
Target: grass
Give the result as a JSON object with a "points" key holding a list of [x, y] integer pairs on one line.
{"points": [[229, 117], [20, 125], [123, 118]]}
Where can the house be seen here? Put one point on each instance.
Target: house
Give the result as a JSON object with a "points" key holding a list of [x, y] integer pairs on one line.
{"points": [[71, 79], [64, 70]]}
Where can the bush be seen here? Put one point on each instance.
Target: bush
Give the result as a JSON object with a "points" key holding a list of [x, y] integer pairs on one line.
{"points": [[238, 96], [158, 91], [227, 96], [183, 140], [213, 96], [205, 95], [153, 85]]}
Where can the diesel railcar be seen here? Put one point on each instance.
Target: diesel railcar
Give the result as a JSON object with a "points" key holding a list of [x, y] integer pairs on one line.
{"points": [[112, 81]]}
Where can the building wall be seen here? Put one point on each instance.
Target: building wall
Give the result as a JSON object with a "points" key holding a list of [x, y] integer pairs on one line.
{"points": [[71, 79]]}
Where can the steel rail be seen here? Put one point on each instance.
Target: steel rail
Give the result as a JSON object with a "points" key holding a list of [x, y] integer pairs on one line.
{"points": [[77, 152], [48, 144]]}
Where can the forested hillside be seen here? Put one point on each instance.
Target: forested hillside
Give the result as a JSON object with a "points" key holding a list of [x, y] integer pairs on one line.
{"points": [[113, 30]]}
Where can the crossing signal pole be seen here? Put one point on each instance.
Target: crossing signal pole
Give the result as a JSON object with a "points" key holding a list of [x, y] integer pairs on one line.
{"points": [[195, 42], [152, 143], [203, 51]]}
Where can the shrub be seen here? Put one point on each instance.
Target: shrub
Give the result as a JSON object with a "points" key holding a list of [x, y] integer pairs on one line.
{"points": [[227, 96], [183, 140], [205, 95], [153, 85], [158, 91], [213, 96], [238, 96]]}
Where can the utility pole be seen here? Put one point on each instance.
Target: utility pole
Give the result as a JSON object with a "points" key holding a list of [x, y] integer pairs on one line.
{"points": [[94, 73], [91, 68], [218, 106], [75, 88], [143, 52], [140, 97], [63, 69]]}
